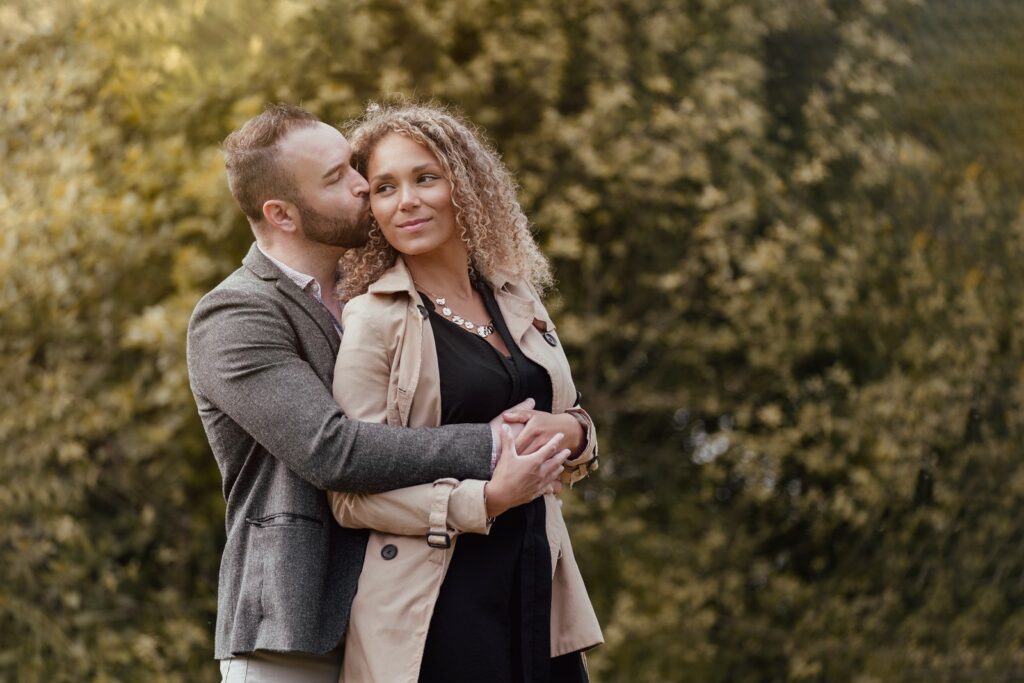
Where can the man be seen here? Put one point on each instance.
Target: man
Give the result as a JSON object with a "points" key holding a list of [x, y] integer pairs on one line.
{"points": [[261, 351]]}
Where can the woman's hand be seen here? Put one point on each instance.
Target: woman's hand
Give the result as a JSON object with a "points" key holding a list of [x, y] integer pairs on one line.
{"points": [[518, 479], [539, 427]]}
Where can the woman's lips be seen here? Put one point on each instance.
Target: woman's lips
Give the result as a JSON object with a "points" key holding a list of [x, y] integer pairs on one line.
{"points": [[413, 226]]}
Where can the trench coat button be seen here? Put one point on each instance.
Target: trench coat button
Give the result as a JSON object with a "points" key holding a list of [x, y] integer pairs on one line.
{"points": [[389, 551], [423, 311], [550, 339]]}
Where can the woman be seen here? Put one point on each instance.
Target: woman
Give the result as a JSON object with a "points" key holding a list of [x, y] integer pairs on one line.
{"points": [[446, 325]]}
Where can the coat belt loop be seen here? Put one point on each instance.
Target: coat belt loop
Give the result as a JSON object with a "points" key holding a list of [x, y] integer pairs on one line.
{"points": [[439, 536]]}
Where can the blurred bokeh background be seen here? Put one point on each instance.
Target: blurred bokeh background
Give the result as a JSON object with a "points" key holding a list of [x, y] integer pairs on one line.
{"points": [[789, 240]]}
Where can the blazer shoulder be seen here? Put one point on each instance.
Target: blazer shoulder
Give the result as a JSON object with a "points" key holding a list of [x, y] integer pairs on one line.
{"points": [[235, 306], [239, 286]]}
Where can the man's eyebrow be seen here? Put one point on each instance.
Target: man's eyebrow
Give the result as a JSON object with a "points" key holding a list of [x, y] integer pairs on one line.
{"points": [[332, 170]]}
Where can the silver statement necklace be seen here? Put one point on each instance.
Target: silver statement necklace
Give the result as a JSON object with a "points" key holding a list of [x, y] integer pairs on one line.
{"points": [[482, 331]]}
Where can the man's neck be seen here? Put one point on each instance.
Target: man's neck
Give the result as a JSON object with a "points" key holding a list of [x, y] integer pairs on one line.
{"points": [[310, 258]]}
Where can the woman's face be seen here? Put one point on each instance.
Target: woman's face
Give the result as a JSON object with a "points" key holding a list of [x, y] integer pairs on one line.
{"points": [[410, 197]]}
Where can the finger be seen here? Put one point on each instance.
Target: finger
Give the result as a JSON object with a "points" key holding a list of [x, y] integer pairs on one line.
{"points": [[516, 427], [517, 415], [524, 442], [530, 439], [555, 445], [549, 449], [508, 444], [535, 442], [553, 466]]}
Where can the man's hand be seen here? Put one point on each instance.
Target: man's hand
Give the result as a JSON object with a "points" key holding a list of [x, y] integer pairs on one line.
{"points": [[538, 427], [519, 479], [497, 422]]}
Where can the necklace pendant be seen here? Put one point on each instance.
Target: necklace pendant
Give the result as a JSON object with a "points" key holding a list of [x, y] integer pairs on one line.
{"points": [[469, 325], [439, 301], [457, 319], [446, 311]]}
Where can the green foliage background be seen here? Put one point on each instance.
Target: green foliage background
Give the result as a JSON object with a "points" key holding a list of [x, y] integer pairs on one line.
{"points": [[789, 239]]}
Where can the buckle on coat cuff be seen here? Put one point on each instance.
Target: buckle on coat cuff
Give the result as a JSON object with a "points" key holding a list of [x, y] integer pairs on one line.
{"points": [[589, 465], [439, 539]]}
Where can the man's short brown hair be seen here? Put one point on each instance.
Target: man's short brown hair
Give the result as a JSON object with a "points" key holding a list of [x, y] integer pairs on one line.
{"points": [[250, 156]]}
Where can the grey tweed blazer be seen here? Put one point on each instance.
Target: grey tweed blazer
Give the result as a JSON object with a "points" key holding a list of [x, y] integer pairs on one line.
{"points": [[261, 363]]}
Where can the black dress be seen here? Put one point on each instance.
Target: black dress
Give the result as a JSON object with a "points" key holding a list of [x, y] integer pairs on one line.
{"points": [[492, 619]]}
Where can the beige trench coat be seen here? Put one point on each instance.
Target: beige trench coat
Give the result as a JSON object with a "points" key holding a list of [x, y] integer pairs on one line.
{"points": [[387, 372]]}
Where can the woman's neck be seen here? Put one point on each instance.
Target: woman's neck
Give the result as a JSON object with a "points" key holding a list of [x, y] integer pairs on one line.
{"points": [[441, 274]]}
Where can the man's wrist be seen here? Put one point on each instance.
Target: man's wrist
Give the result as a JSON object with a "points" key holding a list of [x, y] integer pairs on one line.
{"points": [[494, 447]]}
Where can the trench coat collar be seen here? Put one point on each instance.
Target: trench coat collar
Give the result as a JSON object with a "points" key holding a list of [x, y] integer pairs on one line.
{"points": [[513, 296]]}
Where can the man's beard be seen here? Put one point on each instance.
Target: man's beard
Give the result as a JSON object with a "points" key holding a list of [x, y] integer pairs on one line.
{"points": [[337, 231]]}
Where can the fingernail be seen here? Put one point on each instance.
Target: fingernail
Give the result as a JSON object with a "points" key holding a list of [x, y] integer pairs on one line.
{"points": [[506, 429], [531, 402]]}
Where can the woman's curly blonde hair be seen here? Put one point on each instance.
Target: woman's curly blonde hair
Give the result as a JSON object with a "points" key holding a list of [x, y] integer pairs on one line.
{"points": [[487, 212]]}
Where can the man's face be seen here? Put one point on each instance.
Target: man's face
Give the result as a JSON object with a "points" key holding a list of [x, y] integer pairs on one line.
{"points": [[332, 196]]}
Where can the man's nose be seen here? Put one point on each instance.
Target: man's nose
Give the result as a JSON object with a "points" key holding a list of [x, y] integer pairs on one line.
{"points": [[361, 188]]}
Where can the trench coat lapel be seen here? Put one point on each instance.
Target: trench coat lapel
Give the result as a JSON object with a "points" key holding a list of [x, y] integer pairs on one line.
{"points": [[520, 308]]}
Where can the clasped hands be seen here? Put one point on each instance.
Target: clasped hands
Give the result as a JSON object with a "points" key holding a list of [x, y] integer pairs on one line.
{"points": [[545, 440]]}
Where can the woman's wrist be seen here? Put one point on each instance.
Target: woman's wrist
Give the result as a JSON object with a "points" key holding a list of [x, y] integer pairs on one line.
{"points": [[575, 434], [493, 504]]}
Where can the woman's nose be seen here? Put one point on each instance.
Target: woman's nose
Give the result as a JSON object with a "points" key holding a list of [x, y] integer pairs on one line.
{"points": [[409, 198]]}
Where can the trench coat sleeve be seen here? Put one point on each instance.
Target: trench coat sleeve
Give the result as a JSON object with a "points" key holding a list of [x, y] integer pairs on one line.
{"points": [[361, 383], [406, 511], [586, 462], [583, 464]]}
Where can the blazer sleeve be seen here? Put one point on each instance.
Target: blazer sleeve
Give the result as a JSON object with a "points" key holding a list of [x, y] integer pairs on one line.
{"points": [[244, 360], [361, 381]]}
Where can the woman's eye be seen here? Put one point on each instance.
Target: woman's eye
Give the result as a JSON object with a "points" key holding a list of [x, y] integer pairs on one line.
{"points": [[384, 187], [427, 177]]}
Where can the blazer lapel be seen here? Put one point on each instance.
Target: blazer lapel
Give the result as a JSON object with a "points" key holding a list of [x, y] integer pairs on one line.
{"points": [[264, 269], [315, 311]]}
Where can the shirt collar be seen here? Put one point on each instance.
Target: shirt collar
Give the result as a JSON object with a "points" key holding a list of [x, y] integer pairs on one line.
{"points": [[302, 280]]}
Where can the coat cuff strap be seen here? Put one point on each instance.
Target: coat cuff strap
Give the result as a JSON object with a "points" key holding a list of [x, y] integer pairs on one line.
{"points": [[439, 536]]}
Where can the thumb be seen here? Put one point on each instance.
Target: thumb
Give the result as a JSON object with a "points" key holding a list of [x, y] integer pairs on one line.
{"points": [[508, 444]]}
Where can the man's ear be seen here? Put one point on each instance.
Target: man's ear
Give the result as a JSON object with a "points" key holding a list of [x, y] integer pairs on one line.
{"points": [[281, 215]]}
